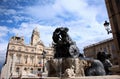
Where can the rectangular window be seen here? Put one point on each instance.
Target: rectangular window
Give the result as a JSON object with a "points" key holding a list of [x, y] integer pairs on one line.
{"points": [[18, 59], [112, 47], [105, 50]]}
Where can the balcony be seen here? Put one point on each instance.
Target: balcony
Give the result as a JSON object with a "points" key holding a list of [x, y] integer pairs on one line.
{"points": [[19, 63]]}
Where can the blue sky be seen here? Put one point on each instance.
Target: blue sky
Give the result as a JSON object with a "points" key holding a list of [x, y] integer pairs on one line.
{"points": [[84, 18]]}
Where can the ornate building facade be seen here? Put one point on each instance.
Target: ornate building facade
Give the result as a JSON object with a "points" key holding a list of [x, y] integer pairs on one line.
{"points": [[107, 45], [26, 61]]}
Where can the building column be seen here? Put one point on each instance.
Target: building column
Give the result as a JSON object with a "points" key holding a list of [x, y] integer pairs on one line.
{"points": [[113, 8], [13, 63], [36, 60], [22, 59], [28, 60]]}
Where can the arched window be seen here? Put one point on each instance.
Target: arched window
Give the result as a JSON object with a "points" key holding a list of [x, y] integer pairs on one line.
{"points": [[39, 71], [18, 70], [26, 59], [18, 58], [31, 70], [25, 69], [13, 47], [19, 49], [11, 55], [32, 59]]}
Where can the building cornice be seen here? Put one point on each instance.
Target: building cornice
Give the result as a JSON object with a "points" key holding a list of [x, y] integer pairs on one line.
{"points": [[95, 44]]}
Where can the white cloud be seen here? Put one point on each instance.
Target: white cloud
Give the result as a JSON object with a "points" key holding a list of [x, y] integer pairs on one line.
{"points": [[9, 21], [44, 12], [93, 34], [79, 8], [3, 43], [7, 11], [26, 29], [3, 48], [3, 31], [84, 29]]}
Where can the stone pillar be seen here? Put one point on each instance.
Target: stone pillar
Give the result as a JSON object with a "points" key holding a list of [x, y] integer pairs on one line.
{"points": [[22, 59], [28, 60], [13, 62], [113, 8], [36, 60]]}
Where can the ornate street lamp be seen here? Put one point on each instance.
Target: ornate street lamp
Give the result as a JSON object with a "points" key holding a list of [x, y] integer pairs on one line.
{"points": [[44, 56], [106, 25]]}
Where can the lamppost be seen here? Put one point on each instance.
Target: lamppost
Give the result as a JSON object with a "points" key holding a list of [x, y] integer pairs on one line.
{"points": [[44, 56], [107, 28]]}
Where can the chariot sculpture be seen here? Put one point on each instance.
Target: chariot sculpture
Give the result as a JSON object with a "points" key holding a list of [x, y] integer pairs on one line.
{"points": [[63, 44], [68, 61]]}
